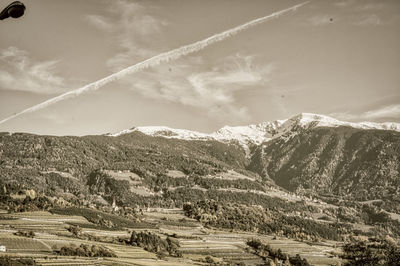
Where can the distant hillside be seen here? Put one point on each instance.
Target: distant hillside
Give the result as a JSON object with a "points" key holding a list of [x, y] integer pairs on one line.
{"points": [[363, 164], [70, 164]]}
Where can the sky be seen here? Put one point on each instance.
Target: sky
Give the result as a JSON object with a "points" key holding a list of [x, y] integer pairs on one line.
{"points": [[338, 58]]}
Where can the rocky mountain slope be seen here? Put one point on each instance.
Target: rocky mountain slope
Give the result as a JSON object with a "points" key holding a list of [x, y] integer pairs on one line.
{"points": [[363, 164]]}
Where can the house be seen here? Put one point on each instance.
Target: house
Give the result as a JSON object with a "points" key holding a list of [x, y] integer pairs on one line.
{"points": [[3, 248]]}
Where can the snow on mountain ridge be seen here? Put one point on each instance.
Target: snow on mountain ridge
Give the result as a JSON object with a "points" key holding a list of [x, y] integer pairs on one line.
{"points": [[257, 134], [315, 120], [163, 131], [249, 134]]}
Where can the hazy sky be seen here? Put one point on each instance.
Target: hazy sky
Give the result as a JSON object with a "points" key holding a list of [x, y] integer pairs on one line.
{"points": [[338, 58]]}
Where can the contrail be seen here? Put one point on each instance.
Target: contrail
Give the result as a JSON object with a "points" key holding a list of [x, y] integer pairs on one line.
{"points": [[155, 60]]}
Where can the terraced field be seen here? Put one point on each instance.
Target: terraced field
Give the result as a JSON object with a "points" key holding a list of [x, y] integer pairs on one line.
{"points": [[195, 241], [315, 253], [23, 244]]}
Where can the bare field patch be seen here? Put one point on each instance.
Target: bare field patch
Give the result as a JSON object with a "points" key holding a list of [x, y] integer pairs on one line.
{"points": [[231, 175], [47, 217], [176, 174], [170, 219], [142, 191], [63, 174], [132, 178]]}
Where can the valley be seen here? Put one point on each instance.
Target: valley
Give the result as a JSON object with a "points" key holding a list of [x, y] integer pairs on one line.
{"points": [[306, 191]]}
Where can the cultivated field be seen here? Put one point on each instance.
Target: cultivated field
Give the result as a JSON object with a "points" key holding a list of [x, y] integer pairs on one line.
{"points": [[195, 241]]}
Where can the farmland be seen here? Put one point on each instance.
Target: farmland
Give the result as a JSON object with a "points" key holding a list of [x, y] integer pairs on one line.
{"points": [[196, 243]]}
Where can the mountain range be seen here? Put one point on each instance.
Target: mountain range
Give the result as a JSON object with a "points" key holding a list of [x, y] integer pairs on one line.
{"points": [[312, 151], [256, 134], [308, 153]]}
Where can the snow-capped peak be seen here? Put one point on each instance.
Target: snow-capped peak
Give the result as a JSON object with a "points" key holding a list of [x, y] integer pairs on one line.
{"points": [[257, 134], [163, 131], [308, 120], [249, 134]]}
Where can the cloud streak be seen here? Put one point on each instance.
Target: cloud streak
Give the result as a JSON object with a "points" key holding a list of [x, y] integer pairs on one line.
{"points": [[132, 31], [23, 74], [212, 90], [156, 60], [369, 20], [320, 20], [390, 111], [99, 22]]}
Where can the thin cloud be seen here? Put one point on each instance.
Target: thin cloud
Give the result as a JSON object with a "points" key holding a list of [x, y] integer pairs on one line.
{"points": [[360, 5], [388, 112], [213, 90], [369, 20], [371, 6], [21, 73], [53, 118], [132, 28], [99, 22], [320, 20], [343, 3], [366, 13]]}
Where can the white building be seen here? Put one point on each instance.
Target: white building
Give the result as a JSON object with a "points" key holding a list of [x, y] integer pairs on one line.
{"points": [[3, 248]]}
